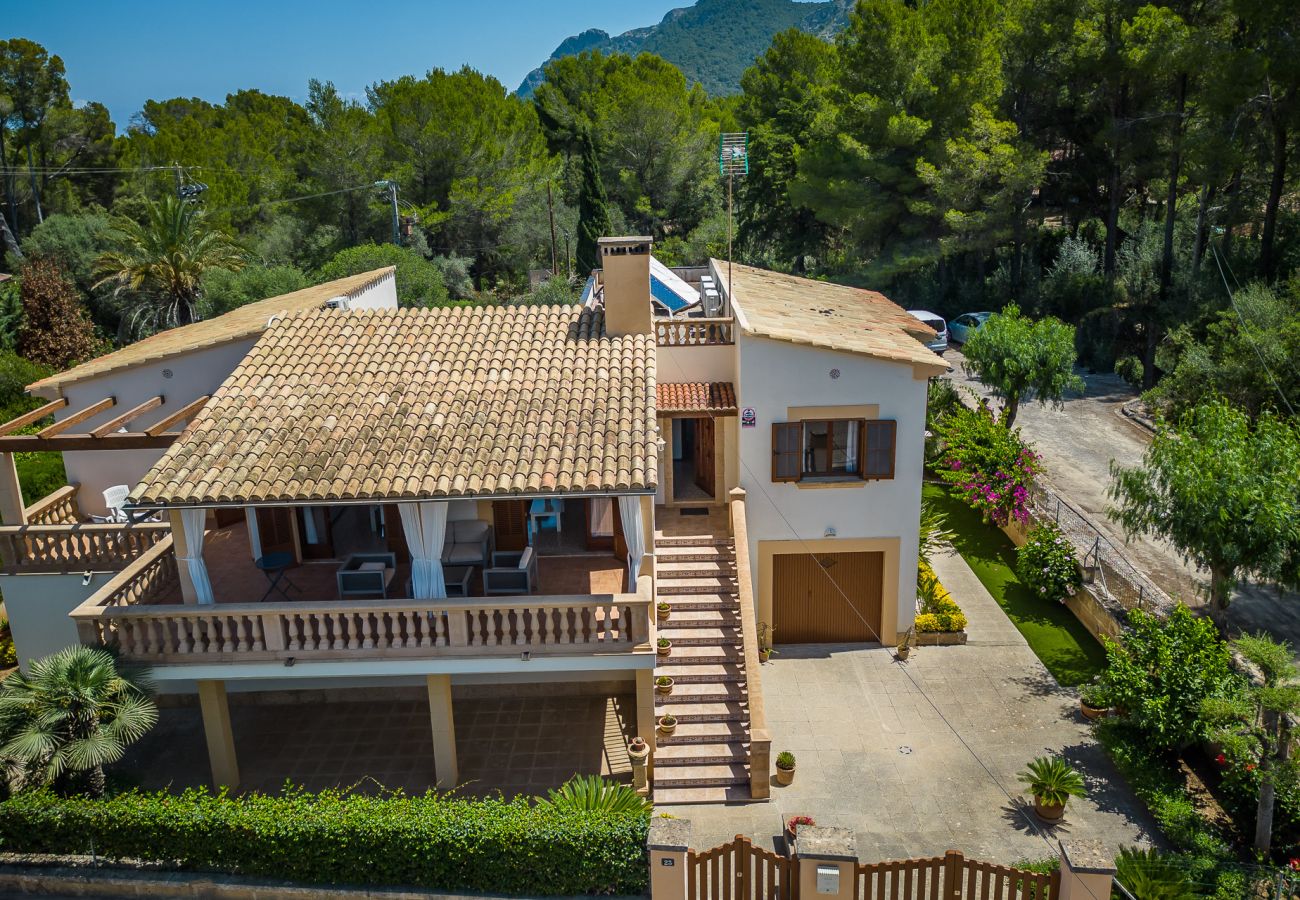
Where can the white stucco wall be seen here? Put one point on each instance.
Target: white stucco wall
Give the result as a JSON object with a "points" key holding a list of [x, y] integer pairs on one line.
{"points": [[180, 380], [775, 375], [380, 295], [38, 607], [713, 363]]}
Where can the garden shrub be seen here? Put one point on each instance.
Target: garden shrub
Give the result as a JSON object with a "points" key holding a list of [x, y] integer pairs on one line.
{"points": [[991, 466], [1163, 671], [432, 841], [1046, 563], [939, 612]]}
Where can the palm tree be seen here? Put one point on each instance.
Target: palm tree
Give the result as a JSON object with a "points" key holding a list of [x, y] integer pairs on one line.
{"points": [[159, 264], [71, 715]]}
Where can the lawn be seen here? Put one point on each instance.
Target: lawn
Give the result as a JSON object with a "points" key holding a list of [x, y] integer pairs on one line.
{"points": [[1066, 648]]}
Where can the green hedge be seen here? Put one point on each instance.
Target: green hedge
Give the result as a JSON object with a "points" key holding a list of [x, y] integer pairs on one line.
{"points": [[432, 841]]}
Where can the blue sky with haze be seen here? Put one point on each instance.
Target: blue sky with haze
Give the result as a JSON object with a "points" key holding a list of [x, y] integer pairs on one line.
{"points": [[123, 53]]}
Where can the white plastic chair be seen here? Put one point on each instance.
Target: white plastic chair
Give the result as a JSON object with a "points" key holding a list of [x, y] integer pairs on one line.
{"points": [[115, 499]]}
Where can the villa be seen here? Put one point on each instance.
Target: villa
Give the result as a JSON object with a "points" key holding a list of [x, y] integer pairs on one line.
{"points": [[323, 493]]}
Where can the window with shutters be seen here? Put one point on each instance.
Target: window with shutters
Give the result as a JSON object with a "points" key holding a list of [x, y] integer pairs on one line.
{"points": [[833, 449]]}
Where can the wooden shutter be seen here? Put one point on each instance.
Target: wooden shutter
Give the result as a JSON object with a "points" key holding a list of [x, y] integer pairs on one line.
{"points": [[787, 450], [510, 524], [878, 452]]}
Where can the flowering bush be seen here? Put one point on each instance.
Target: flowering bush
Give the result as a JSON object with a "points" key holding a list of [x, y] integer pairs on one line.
{"points": [[1046, 563], [990, 465], [939, 612]]}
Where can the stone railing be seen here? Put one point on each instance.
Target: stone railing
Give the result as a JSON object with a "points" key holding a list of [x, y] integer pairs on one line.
{"points": [[59, 508], [26, 549], [237, 632], [760, 740], [694, 332]]}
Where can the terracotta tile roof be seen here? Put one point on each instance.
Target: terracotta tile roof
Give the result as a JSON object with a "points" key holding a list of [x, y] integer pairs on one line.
{"points": [[238, 324], [696, 396], [404, 404], [834, 316]]}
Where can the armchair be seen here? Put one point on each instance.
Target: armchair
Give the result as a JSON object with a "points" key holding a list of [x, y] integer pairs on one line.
{"points": [[468, 543], [512, 572]]}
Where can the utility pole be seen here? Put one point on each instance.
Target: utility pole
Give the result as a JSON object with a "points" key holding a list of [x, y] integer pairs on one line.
{"points": [[176, 171], [550, 211], [733, 160], [391, 187]]}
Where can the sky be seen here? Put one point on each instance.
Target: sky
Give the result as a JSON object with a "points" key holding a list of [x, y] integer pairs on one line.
{"points": [[123, 53]]}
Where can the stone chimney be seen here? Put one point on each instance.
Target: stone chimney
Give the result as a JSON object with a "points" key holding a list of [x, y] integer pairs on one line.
{"points": [[625, 274]]}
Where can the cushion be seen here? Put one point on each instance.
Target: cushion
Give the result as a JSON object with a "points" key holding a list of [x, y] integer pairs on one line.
{"points": [[526, 558], [462, 554], [468, 530]]}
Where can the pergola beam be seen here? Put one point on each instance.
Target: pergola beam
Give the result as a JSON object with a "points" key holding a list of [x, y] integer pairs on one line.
{"points": [[76, 418], [130, 440], [130, 415], [35, 415], [188, 411]]}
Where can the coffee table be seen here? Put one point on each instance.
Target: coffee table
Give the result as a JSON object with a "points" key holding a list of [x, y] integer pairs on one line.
{"points": [[457, 578]]}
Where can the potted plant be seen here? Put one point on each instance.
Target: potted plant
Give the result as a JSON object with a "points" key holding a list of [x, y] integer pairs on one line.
{"points": [[905, 646], [664, 647], [667, 724], [765, 650], [664, 609], [1052, 781], [784, 767], [1094, 699], [664, 685]]}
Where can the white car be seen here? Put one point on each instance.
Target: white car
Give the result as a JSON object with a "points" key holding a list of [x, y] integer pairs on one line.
{"points": [[935, 321]]}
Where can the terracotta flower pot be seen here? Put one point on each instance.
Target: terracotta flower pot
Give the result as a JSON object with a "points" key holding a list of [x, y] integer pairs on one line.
{"points": [[664, 651], [665, 729], [663, 613], [1092, 712], [784, 776], [665, 688], [1049, 812]]}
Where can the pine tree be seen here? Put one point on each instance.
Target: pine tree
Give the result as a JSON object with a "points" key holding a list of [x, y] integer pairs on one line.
{"points": [[593, 216]]}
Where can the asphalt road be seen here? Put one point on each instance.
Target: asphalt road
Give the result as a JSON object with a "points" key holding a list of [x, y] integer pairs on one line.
{"points": [[1078, 441]]}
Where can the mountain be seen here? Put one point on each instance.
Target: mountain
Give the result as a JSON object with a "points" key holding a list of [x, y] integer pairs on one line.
{"points": [[712, 42]]}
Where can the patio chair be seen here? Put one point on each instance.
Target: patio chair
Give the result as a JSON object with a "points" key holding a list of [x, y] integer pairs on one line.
{"points": [[365, 574], [512, 572], [468, 543], [115, 500]]}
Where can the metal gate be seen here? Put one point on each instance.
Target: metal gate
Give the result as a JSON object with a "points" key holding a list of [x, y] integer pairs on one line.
{"points": [[740, 871], [952, 877]]}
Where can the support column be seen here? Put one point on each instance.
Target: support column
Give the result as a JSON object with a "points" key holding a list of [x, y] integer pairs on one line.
{"points": [[645, 713], [668, 841], [12, 509], [828, 862], [444, 732], [181, 547], [218, 733], [1087, 870]]}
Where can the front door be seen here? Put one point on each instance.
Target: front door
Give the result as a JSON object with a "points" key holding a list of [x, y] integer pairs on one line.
{"points": [[704, 479]]}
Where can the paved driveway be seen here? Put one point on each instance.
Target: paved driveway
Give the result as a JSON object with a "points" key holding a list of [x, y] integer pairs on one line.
{"points": [[919, 758]]}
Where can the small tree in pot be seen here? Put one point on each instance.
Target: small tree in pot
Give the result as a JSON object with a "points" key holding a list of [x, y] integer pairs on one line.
{"points": [[1052, 781]]}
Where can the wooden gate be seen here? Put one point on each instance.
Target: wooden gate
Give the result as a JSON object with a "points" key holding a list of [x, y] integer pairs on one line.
{"points": [[952, 877], [740, 871]]}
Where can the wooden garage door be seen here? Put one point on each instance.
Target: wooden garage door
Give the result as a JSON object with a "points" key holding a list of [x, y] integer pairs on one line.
{"points": [[827, 597]]}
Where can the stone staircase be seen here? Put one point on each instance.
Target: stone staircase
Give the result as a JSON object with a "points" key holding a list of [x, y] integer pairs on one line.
{"points": [[707, 759]]}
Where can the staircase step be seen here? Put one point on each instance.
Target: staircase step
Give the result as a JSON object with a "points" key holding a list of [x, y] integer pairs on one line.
{"points": [[701, 754], [705, 733], [689, 655], [731, 672], [702, 587], [696, 602], [672, 569], [703, 712], [695, 554], [695, 540], [704, 692], [702, 637], [701, 776], [700, 618], [701, 795]]}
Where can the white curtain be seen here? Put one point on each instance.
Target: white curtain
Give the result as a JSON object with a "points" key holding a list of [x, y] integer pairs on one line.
{"points": [[425, 525], [629, 511], [192, 524]]}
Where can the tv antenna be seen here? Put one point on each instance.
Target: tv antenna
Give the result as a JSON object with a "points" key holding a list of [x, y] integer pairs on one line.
{"points": [[733, 160]]}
